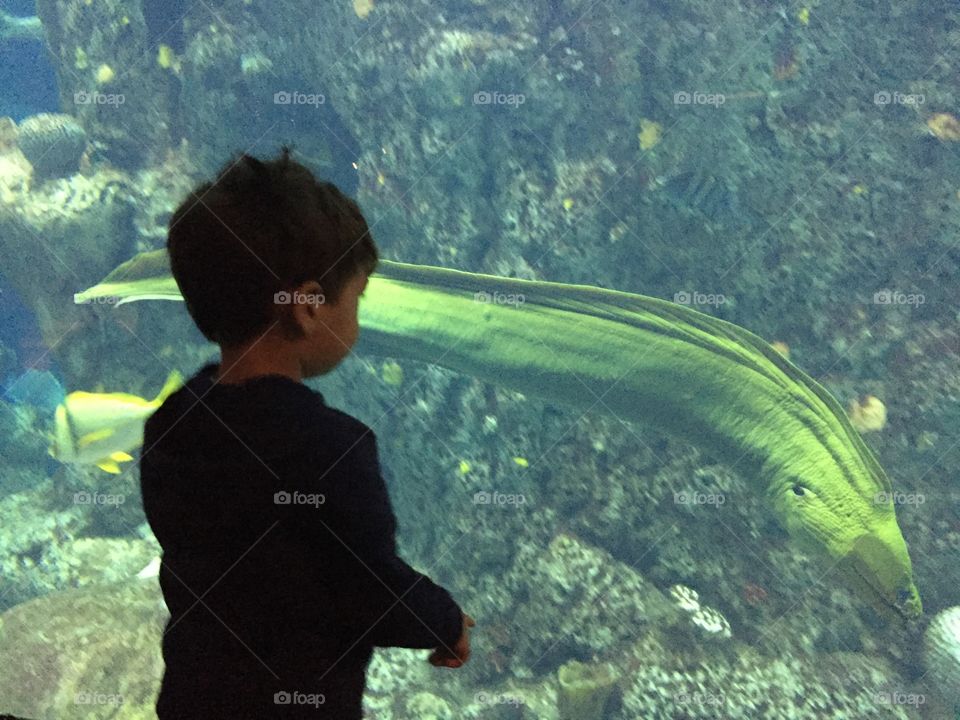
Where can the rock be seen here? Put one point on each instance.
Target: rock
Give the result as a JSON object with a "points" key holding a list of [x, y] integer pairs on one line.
{"points": [[581, 601], [8, 134], [941, 653], [54, 238], [93, 652]]}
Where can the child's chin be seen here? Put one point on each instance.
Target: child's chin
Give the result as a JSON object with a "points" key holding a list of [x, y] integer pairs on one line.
{"points": [[315, 369]]}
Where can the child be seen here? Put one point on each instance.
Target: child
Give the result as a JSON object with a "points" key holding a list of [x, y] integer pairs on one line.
{"points": [[279, 559]]}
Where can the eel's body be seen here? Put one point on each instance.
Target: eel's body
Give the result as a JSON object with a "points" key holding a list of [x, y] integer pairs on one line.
{"points": [[648, 361]]}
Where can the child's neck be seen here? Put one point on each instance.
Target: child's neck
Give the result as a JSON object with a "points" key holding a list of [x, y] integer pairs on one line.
{"points": [[239, 365]]}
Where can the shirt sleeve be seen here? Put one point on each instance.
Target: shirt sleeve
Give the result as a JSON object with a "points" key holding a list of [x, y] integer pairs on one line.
{"points": [[398, 605]]}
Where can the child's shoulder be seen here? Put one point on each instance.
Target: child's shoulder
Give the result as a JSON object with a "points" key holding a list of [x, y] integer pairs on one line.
{"points": [[350, 427]]}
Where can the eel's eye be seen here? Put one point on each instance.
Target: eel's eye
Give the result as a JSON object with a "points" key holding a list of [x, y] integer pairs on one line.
{"points": [[799, 490]]}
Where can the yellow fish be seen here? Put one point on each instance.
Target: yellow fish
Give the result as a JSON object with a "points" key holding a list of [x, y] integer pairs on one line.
{"points": [[101, 428]]}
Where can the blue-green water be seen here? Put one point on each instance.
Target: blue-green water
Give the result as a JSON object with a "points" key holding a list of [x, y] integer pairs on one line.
{"points": [[789, 167]]}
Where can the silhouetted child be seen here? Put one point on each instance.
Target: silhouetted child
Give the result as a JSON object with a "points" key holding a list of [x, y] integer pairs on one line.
{"points": [[279, 559]]}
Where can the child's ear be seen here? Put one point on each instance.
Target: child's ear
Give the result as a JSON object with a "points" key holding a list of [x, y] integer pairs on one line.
{"points": [[296, 310], [313, 292], [308, 300]]}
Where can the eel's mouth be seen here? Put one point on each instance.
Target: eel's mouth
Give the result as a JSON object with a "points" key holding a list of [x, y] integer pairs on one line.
{"points": [[900, 601], [877, 598]]}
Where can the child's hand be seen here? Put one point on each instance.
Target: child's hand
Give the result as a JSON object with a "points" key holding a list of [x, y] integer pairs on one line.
{"points": [[441, 657]]}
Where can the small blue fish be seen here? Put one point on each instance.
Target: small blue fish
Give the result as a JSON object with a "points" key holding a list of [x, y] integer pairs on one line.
{"points": [[38, 388]]}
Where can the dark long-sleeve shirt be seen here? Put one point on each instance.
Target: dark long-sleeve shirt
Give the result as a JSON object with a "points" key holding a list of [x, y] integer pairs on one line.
{"points": [[280, 568]]}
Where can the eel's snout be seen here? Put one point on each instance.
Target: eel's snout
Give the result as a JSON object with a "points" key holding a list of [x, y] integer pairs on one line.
{"points": [[880, 563]]}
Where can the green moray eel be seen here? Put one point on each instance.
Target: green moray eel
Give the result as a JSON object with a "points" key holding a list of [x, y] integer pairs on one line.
{"points": [[649, 361]]}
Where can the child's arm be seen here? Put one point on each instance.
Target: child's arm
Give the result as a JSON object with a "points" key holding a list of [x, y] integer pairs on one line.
{"points": [[400, 606]]}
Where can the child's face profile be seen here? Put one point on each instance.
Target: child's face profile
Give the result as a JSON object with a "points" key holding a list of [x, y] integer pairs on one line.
{"points": [[329, 329]]}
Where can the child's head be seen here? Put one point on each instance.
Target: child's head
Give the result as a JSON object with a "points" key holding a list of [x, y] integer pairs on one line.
{"points": [[267, 255]]}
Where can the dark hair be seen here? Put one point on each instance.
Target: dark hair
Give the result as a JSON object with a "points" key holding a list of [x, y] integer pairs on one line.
{"points": [[258, 229]]}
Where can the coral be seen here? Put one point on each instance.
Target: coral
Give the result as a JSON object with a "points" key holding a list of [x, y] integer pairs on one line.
{"points": [[781, 347], [168, 60], [97, 560], [85, 36], [53, 143], [650, 133], [393, 676], [23, 443], [710, 622], [942, 653], [581, 601], [363, 8], [754, 594], [868, 414], [584, 689], [391, 373], [14, 176], [427, 706], [105, 74], [687, 599], [531, 701], [45, 548], [32, 534], [841, 686], [255, 63], [944, 126]]}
